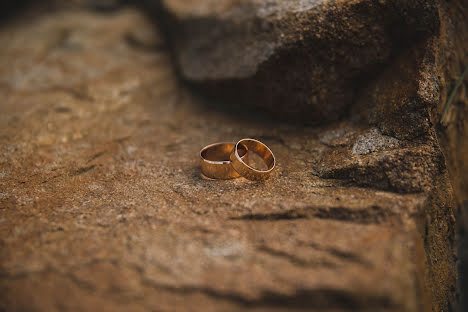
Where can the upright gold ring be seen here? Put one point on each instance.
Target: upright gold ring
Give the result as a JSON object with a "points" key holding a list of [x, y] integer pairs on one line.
{"points": [[215, 162], [247, 171]]}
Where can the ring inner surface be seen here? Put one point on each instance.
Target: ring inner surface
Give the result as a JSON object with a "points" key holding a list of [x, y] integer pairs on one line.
{"points": [[262, 151], [220, 152]]}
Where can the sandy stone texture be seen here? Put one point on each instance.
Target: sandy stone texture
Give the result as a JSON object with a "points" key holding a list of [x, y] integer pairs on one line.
{"points": [[102, 204]]}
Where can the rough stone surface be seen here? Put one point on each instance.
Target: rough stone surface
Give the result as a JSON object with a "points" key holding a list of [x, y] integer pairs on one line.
{"points": [[102, 203], [306, 60], [387, 64]]}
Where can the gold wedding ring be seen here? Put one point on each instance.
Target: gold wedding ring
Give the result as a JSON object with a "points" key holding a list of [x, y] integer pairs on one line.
{"points": [[248, 172], [215, 163]]}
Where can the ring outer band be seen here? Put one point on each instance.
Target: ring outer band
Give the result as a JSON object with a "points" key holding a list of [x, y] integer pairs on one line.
{"points": [[244, 169], [219, 168]]}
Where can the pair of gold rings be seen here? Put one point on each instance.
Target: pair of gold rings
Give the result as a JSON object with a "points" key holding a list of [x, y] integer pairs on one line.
{"points": [[229, 160]]}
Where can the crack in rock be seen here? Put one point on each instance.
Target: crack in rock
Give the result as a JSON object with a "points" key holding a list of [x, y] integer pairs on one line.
{"points": [[369, 215]]}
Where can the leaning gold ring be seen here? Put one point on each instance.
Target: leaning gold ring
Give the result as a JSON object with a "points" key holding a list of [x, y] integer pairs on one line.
{"points": [[215, 163], [245, 170]]}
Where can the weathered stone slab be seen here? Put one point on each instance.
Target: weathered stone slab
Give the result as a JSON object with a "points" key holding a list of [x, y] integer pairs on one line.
{"points": [[102, 202], [304, 60]]}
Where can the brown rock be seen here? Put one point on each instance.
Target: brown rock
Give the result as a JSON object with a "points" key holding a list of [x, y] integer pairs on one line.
{"points": [[387, 64], [301, 60], [102, 203]]}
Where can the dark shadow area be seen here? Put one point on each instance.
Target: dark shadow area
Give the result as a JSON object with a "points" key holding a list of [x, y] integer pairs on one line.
{"points": [[462, 265], [9, 10]]}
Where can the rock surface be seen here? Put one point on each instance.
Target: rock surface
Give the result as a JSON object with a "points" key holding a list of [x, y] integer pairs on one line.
{"points": [[102, 203], [307, 60]]}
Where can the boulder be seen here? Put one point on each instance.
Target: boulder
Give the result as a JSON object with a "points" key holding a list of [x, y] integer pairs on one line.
{"points": [[309, 61]]}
